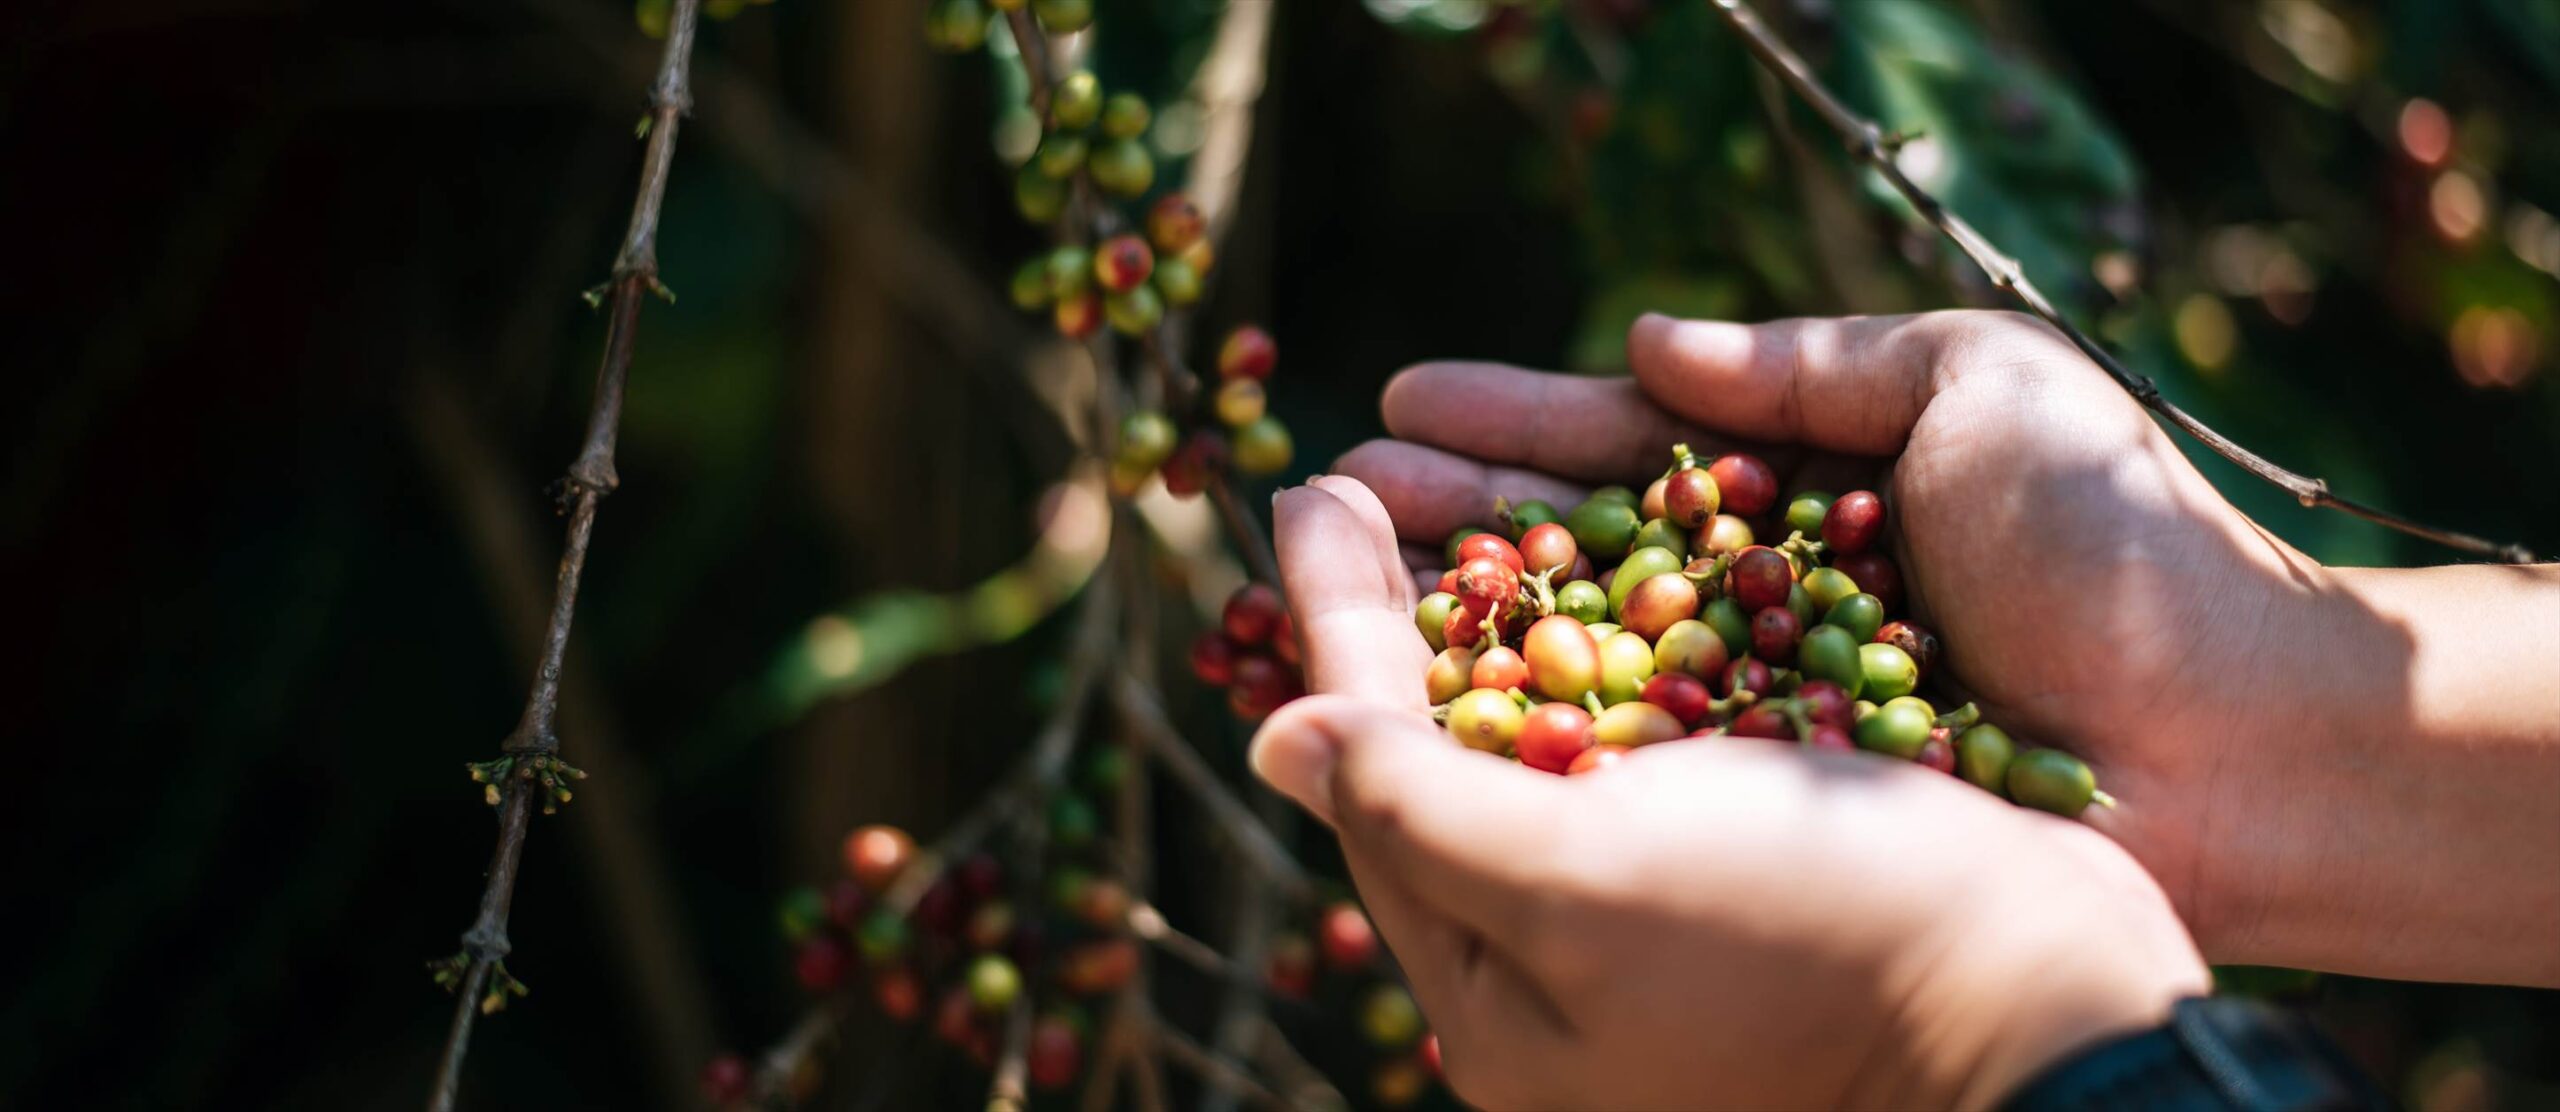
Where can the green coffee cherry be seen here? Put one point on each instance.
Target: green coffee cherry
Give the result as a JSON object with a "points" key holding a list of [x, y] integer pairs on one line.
{"points": [[1072, 822], [1827, 586], [1804, 514], [1861, 614], [1800, 604], [1122, 168], [1626, 661], [1661, 533], [1060, 155], [1125, 116], [802, 912], [1640, 565], [2051, 780], [1983, 754], [1531, 514], [1829, 652], [1147, 439], [1040, 198], [1070, 271], [1178, 282], [1725, 616], [1895, 729], [1432, 618], [1617, 494], [1889, 671], [1030, 286], [1601, 631], [956, 26], [1603, 528], [1076, 101], [1134, 313], [1263, 447], [1583, 601], [1063, 17]]}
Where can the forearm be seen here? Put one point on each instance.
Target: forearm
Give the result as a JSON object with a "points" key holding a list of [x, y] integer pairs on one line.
{"points": [[2414, 809]]}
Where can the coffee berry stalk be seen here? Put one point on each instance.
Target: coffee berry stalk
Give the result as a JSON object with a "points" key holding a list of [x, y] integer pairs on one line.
{"points": [[1568, 640]]}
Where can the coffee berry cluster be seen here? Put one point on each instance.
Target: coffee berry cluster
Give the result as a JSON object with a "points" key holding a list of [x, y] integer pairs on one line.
{"points": [[972, 945], [1253, 653], [1569, 640], [1343, 968]]}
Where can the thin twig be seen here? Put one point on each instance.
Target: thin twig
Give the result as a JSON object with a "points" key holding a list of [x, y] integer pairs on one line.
{"points": [[1196, 1058], [531, 750], [1873, 145], [1246, 531], [1145, 715]]}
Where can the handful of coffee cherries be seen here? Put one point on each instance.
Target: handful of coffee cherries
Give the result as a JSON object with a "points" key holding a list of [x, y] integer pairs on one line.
{"points": [[1638, 619]]}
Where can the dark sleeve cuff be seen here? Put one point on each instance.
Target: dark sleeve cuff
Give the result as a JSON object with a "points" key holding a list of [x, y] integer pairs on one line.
{"points": [[2212, 1054]]}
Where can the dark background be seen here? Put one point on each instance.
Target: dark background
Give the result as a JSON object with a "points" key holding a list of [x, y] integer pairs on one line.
{"points": [[295, 342]]}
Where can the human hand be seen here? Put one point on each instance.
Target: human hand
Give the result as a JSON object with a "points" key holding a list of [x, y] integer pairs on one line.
{"points": [[2092, 588], [1727, 922]]}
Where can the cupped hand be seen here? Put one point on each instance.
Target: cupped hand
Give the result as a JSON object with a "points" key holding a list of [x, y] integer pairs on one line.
{"points": [[1723, 922], [2092, 589]]}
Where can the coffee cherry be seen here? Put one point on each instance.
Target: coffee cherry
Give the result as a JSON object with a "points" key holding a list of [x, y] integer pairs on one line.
{"points": [[1431, 615], [1122, 263], [1603, 528], [1064, 17], [874, 855], [1553, 736], [994, 984], [1983, 754], [1618, 494], [1284, 641], [1914, 640], [1724, 536], [1854, 523], [1078, 316], [1827, 586], [1060, 154], [1762, 720], [1564, 663], [1748, 484], [1626, 661], [1774, 633], [1889, 671], [1076, 101], [1178, 282], [1121, 168], [1896, 729], [1487, 585], [1174, 224], [1200, 255], [1040, 199], [1691, 648], [1804, 512], [1800, 604], [1252, 614], [1861, 614], [802, 911], [1602, 631], [1531, 514], [727, 1080], [1098, 967], [1547, 547], [1583, 601], [955, 1017], [1730, 623], [846, 903], [1451, 674], [956, 26], [1260, 686], [1290, 970], [1760, 579], [1657, 603], [1690, 498], [820, 963], [1938, 753], [1634, 725], [1684, 695], [1462, 629], [1661, 534], [1188, 471], [1239, 402], [1825, 735], [1746, 674], [1134, 313], [1449, 549], [1390, 1019], [1146, 439], [1641, 565], [1125, 116], [1649, 505], [990, 926], [1481, 545], [1875, 575], [898, 993], [1596, 758], [1825, 701], [1070, 271], [1485, 719], [1056, 1053], [1263, 447], [1499, 669], [2051, 780], [1344, 937], [1029, 288], [1247, 353]]}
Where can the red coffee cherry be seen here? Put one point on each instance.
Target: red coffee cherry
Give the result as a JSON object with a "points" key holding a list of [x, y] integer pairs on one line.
{"points": [[1056, 1053], [1260, 686], [1291, 968], [875, 855], [1487, 585], [1915, 641], [1213, 658], [1492, 545], [1345, 938], [1553, 736], [1123, 263], [1651, 505], [1174, 224], [821, 963], [1759, 578], [1691, 498], [1875, 575], [1774, 633], [1746, 482], [1685, 696], [1253, 614], [727, 1080], [1248, 353], [1825, 701], [1500, 669], [1746, 674], [1939, 752], [1763, 720], [899, 994], [1549, 547], [1854, 524], [1825, 735], [1596, 758], [1448, 582], [1188, 471]]}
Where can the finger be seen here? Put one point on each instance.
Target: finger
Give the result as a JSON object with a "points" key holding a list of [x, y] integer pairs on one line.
{"points": [[1849, 384], [1599, 430], [1475, 837], [1381, 528], [1430, 493], [1348, 601]]}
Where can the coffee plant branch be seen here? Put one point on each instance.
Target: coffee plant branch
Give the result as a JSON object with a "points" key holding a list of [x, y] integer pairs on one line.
{"points": [[529, 764], [1874, 146]]}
